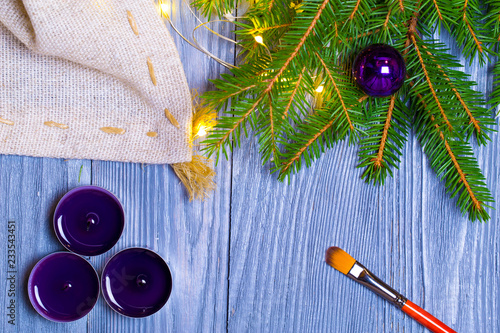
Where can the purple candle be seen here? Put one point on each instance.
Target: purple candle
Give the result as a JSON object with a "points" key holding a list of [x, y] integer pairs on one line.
{"points": [[136, 282], [89, 220], [63, 287]]}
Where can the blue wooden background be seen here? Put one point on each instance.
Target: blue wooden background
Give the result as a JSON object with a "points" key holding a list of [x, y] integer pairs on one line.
{"points": [[252, 257]]}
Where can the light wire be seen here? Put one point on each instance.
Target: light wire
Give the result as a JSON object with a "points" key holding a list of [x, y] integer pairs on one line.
{"points": [[195, 43]]}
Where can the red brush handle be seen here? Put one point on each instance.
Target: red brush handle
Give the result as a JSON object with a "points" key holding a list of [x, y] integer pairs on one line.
{"points": [[425, 318]]}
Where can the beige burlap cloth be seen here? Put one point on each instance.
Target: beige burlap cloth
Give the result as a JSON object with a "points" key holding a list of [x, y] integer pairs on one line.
{"points": [[91, 79]]}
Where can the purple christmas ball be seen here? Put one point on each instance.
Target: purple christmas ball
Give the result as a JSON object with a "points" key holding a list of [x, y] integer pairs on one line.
{"points": [[379, 70]]}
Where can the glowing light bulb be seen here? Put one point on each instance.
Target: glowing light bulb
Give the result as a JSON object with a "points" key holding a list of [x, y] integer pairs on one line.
{"points": [[320, 89], [259, 39], [202, 131], [164, 7]]}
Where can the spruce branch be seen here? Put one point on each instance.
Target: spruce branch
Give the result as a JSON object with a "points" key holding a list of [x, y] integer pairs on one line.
{"points": [[492, 24], [450, 156], [337, 91], [270, 25], [378, 159], [480, 121], [319, 130], [424, 71], [380, 148], [291, 98], [220, 7], [319, 124], [334, 121], [495, 95], [311, 44], [401, 5], [275, 74], [267, 132], [453, 161], [436, 12], [468, 31]]}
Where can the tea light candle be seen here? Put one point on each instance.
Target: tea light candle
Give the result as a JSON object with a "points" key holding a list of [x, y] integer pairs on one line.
{"points": [[63, 287], [89, 220], [136, 282]]}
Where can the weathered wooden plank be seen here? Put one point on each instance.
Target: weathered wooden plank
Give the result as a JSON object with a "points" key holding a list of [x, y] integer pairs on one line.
{"points": [[460, 254], [191, 236], [272, 275], [408, 232], [30, 189], [279, 234]]}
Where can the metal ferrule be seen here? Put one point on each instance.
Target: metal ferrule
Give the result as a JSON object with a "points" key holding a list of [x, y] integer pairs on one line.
{"points": [[360, 274]]}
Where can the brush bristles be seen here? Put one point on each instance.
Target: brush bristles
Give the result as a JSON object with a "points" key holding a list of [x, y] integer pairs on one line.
{"points": [[339, 259]]}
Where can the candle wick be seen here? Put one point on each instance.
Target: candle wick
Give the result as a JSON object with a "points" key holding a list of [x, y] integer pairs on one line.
{"points": [[141, 280], [66, 286], [90, 221]]}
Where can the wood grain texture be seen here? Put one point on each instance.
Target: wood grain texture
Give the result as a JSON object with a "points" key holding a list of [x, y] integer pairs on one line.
{"points": [[408, 232], [191, 236], [251, 259], [30, 189]]}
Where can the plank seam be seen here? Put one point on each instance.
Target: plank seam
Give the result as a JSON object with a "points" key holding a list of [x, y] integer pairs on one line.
{"points": [[230, 215]]}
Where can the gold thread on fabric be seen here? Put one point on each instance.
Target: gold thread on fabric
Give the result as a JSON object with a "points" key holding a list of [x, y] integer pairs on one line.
{"points": [[54, 124], [151, 71], [132, 22], [6, 122], [171, 118], [113, 130]]}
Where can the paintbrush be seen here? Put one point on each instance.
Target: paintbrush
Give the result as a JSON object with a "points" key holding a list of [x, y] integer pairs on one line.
{"points": [[347, 265]]}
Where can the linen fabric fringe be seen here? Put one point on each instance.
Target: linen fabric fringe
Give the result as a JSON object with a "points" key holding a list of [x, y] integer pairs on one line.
{"points": [[197, 176]]}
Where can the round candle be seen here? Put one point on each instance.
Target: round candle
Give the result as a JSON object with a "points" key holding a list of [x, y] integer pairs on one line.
{"points": [[63, 287], [136, 282], [89, 220]]}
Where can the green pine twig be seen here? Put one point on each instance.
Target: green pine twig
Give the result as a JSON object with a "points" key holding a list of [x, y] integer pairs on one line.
{"points": [[380, 148], [311, 44]]}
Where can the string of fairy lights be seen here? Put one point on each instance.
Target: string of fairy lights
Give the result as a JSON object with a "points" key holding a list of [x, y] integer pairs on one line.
{"points": [[165, 8]]}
